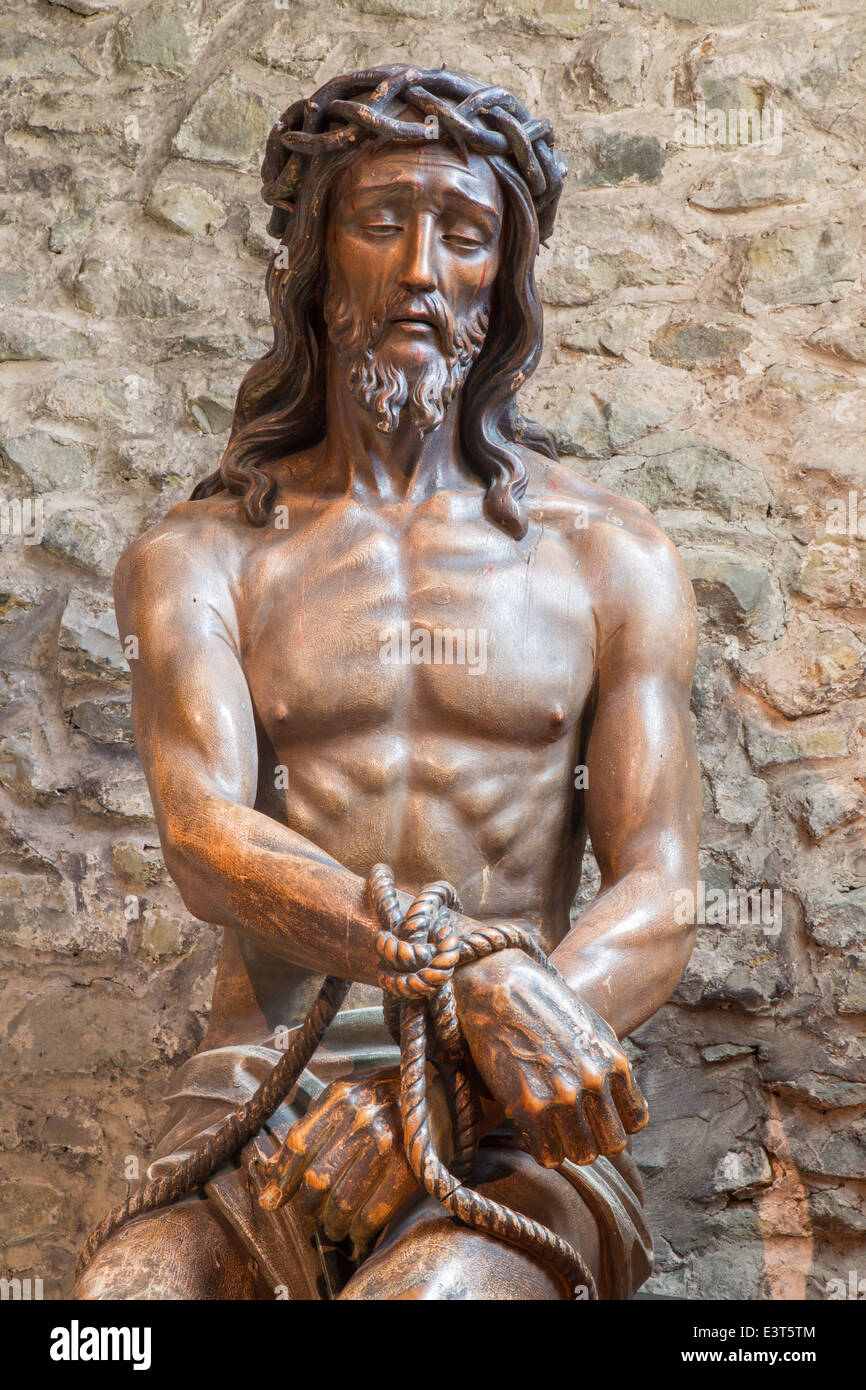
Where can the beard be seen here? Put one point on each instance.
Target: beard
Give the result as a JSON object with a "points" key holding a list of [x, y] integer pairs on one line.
{"points": [[382, 385]]}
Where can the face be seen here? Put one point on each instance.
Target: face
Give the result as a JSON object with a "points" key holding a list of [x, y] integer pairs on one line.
{"points": [[413, 253]]}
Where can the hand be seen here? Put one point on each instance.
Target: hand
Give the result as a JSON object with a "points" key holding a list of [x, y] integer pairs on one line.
{"points": [[349, 1169], [551, 1061]]}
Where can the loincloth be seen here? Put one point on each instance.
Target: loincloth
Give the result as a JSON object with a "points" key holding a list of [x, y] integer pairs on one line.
{"points": [[211, 1084]]}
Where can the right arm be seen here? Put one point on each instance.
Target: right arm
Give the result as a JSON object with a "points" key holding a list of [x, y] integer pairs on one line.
{"points": [[195, 732]]}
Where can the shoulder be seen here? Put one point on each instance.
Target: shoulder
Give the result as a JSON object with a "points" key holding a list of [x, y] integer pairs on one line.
{"points": [[632, 569], [577, 507], [193, 540], [185, 570]]}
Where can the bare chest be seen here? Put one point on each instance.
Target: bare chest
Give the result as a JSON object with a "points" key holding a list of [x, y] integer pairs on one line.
{"points": [[353, 624]]}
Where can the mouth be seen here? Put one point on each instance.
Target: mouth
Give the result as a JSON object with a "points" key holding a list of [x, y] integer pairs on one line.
{"points": [[413, 322]]}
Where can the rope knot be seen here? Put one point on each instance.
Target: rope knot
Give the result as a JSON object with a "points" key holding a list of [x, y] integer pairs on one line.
{"points": [[417, 971], [419, 954]]}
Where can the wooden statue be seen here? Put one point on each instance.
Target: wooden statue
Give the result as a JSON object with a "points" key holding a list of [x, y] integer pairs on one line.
{"points": [[395, 663]]}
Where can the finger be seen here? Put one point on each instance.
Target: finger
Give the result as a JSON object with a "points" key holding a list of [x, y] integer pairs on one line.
{"points": [[379, 1152], [630, 1103], [393, 1191], [373, 1151], [284, 1182], [322, 1175], [545, 1143], [313, 1129], [349, 1191], [604, 1122], [576, 1136], [286, 1168]]}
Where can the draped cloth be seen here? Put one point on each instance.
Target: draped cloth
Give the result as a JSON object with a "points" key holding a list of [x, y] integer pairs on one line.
{"points": [[213, 1083]]}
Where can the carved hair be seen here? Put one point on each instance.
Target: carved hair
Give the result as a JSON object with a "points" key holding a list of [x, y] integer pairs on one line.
{"points": [[280, 408]]}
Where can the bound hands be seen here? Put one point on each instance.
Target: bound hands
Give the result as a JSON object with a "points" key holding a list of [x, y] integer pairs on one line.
{"points": [[550, 1061]]}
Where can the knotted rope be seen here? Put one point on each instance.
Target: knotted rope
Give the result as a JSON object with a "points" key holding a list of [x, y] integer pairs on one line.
{"points": [[419, 957], [418, 954]]}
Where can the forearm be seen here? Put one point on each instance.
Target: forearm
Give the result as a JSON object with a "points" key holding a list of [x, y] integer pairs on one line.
{"points": [[626, 954], [238, 868]]}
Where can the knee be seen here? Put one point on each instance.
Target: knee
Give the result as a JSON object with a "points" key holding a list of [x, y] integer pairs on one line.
{"points": [[181, 1253], [425, 1255], [440, 1261]]}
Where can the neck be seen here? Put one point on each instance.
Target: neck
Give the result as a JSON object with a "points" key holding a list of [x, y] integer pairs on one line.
{"points": [[399, 466]]}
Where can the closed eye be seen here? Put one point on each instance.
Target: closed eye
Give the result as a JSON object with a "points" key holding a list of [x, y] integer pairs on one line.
{"points": [[463, 243]]}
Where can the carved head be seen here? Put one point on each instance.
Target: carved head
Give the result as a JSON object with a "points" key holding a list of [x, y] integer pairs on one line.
{"points": [[410, 205], [411, 261]]}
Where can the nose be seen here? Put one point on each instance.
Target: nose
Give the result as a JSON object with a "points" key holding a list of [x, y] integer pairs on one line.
{"points": [[418, 273]]}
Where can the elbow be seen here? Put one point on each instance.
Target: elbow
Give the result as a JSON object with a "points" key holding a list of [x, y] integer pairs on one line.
{"points": [[682, 947], [680, 933], [196, 903], [182, 863]]}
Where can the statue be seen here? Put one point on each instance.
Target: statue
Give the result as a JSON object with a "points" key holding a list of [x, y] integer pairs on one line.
{"points": [[394, 664]]}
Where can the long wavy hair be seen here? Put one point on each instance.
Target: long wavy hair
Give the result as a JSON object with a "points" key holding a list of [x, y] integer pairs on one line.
{"points": [[280, 409]]}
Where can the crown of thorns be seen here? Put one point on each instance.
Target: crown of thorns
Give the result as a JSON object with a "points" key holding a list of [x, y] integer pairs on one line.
{"points": [[486, 120]]}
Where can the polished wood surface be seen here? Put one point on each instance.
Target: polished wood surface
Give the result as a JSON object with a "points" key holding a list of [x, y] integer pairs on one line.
{"points": [[285, 756]]}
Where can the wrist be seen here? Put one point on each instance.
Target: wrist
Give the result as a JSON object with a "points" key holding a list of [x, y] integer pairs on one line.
{"points": [[488, 975]]}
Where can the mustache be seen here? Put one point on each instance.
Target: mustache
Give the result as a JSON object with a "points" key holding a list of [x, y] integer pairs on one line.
{"points": [[459, 340], [399, 305], [385, 388]]}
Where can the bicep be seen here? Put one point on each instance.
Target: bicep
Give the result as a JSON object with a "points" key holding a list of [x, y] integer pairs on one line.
{"points": [[191, 707], [643, 783]]}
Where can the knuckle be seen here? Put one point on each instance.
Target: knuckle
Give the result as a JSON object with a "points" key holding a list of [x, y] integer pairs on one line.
{"points": [[316, 1184], [566, 1092], [622, 1067], [382, 1137], [593, 1078], [297, 1141]]}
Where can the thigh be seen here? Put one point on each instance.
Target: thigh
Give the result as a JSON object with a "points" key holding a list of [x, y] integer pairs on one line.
{"points": [[184, 1251], [427, 1255]]}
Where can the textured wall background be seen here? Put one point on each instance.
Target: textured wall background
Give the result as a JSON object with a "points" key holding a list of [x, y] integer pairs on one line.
{"points": [[705, 352]]}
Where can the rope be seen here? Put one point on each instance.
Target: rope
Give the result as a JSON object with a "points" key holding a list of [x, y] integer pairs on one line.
{"points": [[235, 1131], [418, 959], [418, 955]]}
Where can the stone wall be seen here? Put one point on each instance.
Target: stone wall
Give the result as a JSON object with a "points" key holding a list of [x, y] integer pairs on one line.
{"points": [[705, 353]]}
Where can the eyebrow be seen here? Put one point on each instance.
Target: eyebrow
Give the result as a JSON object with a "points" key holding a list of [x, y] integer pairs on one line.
{"points": [[403, 186]]}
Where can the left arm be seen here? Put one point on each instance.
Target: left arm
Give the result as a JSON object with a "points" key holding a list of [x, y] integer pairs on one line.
{"points": [[626, 954], [549, 1051]]}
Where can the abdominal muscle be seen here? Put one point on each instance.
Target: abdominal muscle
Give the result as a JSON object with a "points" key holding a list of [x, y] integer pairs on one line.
{"points": [[431, 808], [492, 818]]}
